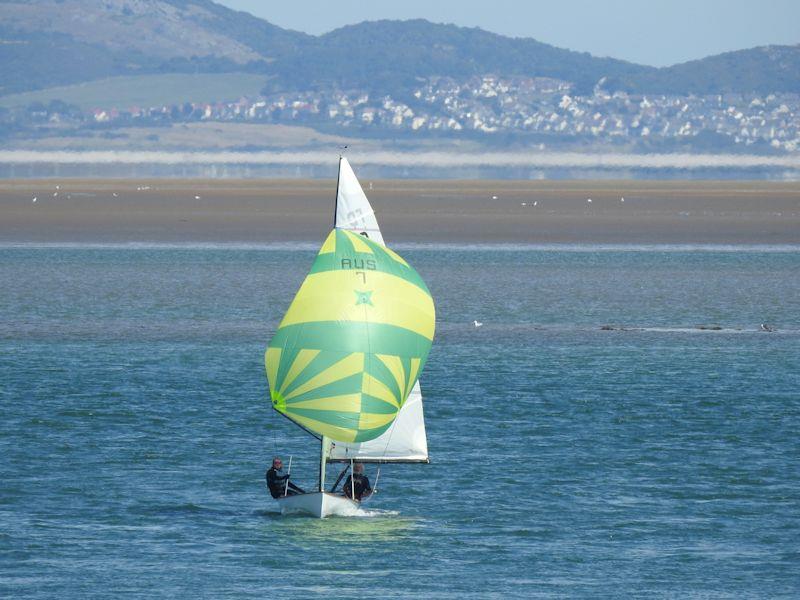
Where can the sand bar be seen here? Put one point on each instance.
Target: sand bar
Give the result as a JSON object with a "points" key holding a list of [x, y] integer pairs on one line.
{"points": [[536, 212]]}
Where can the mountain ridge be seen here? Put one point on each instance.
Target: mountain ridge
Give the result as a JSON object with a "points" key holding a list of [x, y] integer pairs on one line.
{"points": [[56, 42]]}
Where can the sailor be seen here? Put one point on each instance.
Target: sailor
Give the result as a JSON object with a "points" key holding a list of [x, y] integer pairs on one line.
{"points": [[277, 481], [357, 485]]}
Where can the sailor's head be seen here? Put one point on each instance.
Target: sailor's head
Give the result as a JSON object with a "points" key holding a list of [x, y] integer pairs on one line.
{"points": [[358, 468], [277, 463]]}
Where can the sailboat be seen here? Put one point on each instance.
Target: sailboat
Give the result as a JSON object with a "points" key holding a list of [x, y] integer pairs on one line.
{"points": [[345, 361]]}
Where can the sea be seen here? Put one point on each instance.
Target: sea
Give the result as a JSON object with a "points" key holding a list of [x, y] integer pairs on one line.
{"points": [[619, 425]]}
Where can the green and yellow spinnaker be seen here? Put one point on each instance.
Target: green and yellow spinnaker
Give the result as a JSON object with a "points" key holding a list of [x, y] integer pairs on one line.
{"points": [[353, 342]]}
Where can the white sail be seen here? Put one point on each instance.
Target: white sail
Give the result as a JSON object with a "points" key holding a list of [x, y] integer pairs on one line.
{"points": [[353, 210], [405, 440]]}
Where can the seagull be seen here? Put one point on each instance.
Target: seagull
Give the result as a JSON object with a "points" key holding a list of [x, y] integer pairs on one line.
{"points": [[622, 199], [115, 194], [477, 324], [55, 194], [523, 204], [589, 200], [197, 197], [34, 199], [536, 203], [765, 327], [494, 197]]}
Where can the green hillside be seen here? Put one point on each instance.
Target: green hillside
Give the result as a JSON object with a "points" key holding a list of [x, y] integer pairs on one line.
{"points": [[145, 90]]}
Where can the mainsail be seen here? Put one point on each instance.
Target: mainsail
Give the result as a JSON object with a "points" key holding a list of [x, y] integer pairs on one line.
{"points": [[353, 343], [405, 440]]}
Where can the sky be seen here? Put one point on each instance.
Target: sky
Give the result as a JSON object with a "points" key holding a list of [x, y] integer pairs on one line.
{"points": [[652, 32]]}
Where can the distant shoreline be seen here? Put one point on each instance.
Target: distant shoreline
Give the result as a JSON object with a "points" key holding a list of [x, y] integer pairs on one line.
{"points": [[683, 161], [417, 211]]}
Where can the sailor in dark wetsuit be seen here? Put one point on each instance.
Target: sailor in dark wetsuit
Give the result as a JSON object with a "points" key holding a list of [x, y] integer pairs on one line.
{"points": [[357, 485], [276, 481]]}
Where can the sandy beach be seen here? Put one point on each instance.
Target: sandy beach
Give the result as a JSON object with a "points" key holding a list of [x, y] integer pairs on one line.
{"points": [[254, 211]]}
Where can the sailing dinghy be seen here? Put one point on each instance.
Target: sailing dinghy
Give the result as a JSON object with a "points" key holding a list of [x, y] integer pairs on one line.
{"points": [[345, 361]]}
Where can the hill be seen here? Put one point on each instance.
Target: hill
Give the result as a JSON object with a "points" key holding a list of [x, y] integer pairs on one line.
{"points": [[56, 42], [765, 70], [392, 55], [59, 42]]}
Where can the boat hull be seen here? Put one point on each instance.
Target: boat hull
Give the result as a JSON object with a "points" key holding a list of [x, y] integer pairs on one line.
{"points": [[319, 504]]}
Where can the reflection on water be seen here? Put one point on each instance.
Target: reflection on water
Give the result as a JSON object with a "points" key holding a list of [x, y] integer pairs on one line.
{"points": [[372, 526]]}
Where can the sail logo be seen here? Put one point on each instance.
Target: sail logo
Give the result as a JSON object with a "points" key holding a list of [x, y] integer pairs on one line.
{"points": [[363, 298]]}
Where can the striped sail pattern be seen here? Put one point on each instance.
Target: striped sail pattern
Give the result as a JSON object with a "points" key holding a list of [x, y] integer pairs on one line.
{"points": [[353, 342]]}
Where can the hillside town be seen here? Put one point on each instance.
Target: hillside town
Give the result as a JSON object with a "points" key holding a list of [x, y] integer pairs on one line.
{"points": [[526, 109]]}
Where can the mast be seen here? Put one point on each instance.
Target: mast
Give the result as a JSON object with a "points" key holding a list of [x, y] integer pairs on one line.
{"points": [[336, 200], [325, 442], [324, 445]]}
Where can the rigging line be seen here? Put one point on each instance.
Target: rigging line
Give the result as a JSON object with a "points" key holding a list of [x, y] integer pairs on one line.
{"points": [[339, 479], [336, 201], [391, 429], [391, 433], [274, 434]]}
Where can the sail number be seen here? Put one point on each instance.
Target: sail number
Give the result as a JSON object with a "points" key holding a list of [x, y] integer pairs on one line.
{"points": [[359, 263]]}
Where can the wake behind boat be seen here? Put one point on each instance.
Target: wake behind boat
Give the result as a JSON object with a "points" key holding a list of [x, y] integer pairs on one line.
{"points": [[345, 361]]}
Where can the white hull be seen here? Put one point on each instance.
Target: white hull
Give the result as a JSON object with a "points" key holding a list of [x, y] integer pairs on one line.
{"points": [[319, 504]]}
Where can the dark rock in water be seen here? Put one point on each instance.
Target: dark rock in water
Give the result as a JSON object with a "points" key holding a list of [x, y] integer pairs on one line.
{"points": [[709, 327], [607, 328]]}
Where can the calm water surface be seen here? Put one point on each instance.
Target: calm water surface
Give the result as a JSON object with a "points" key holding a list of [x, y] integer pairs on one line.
{"points": [[567, 460]]}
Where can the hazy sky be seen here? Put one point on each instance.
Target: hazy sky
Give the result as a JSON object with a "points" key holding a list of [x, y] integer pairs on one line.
{"points": [[654, 32]]}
